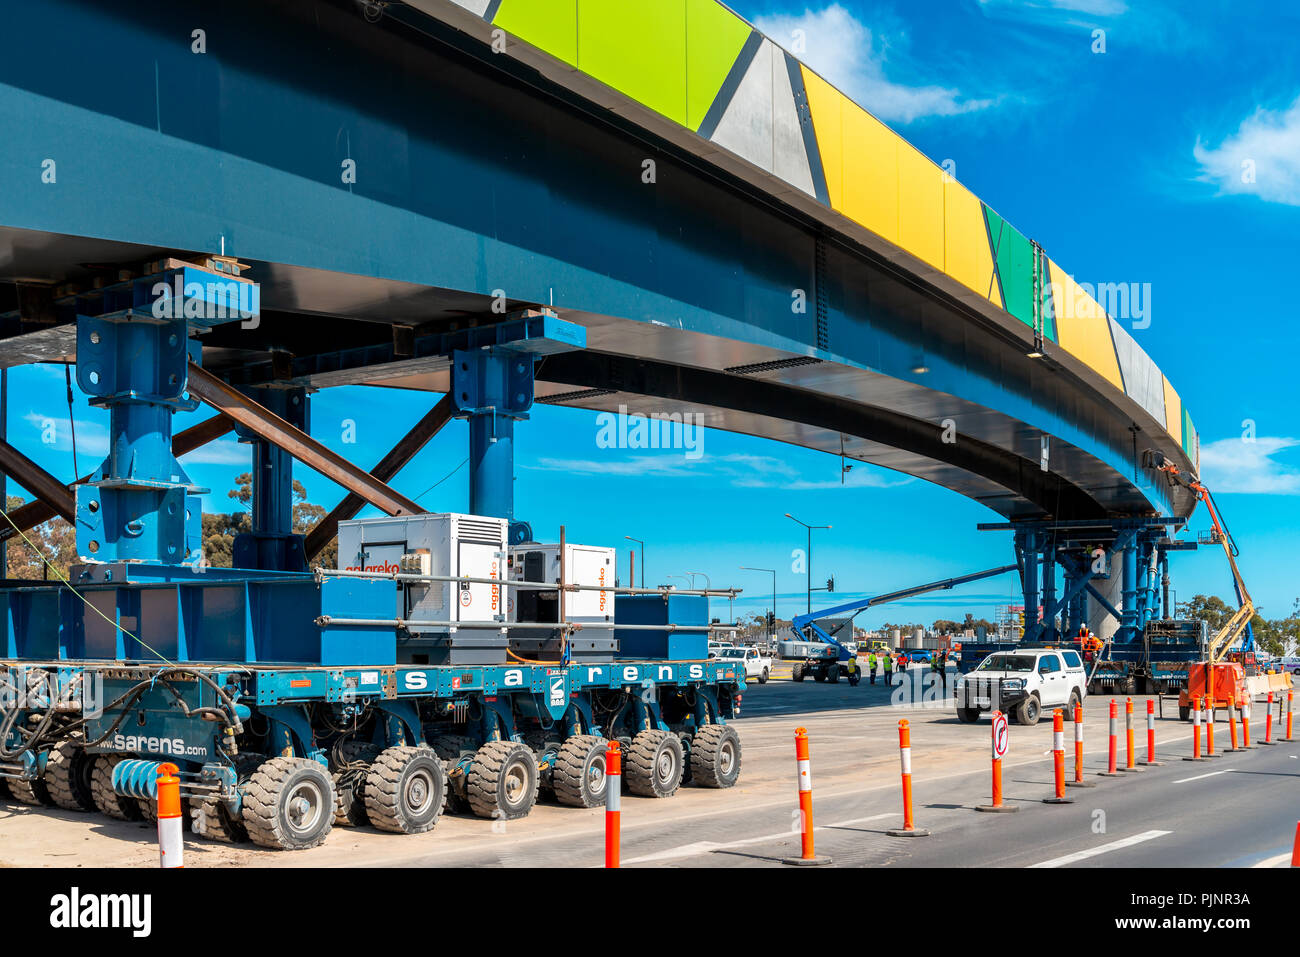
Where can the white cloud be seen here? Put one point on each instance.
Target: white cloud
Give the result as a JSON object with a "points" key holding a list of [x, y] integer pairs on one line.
{"points": [[220, 452], [1262, 158], [1235, 465], [92, 437], [850, 56], [1088, 8]]}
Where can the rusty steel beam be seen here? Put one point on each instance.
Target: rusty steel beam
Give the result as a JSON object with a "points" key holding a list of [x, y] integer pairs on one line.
{"points": [[37, 481], [33, 513], [205, 386], [392, 463]]}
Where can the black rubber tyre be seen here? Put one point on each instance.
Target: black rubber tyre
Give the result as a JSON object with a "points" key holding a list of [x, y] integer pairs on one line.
{"points": [[653, 765], [450, 748], [833, 674], [502, 781], [797, 671], [406, 790], [579, 776], [762, 679], [4, 789], [350, 783], [211, 819], [715, 756], [101, 790], [968, 715], [1029, 711], [34, 793], [289, 804], [1069, 706], [819, 676], [68, 771]]}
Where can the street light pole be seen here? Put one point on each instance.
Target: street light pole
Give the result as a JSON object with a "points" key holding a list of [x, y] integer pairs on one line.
{"points": [[809, 553], [748, 568], [642, 544]]}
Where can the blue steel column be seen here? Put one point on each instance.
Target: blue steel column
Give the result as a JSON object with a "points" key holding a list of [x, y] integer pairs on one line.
{"points": [[272, 544], [492, 388], [1129, 608], [134, 508], [1028, 545], [1049, 587]]}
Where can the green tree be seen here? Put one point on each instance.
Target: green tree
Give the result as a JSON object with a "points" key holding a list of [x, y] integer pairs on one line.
{"points": [[219, 530], [55, 541]]}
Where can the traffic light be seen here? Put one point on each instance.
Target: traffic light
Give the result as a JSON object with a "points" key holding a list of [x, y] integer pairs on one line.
{"points": [[830, 583], [771, 621]]}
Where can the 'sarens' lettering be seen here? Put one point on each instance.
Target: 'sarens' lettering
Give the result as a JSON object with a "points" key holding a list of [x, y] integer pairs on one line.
{"points": [[151, 745]]}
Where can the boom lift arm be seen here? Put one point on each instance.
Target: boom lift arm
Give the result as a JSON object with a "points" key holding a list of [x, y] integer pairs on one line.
{"points": [[1239, 623], [815, 632]]}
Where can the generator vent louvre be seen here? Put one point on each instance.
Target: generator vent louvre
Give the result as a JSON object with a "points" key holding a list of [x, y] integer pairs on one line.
{"points": [[480, 532]]}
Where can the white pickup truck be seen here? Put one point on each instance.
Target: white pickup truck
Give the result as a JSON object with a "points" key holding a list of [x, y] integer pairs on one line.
{"points": [[1023, 683], [757, 665]]}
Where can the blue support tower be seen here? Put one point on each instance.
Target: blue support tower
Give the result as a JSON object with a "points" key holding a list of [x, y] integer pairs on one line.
{"points": [[272, 544]]}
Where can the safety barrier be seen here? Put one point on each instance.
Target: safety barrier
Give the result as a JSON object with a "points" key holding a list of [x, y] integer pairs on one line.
{"points": [[1197, 707], [1232, 727], [1245, 726], [1207, 718], [613, 797]]}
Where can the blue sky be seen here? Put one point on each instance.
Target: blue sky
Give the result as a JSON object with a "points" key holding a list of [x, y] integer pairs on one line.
{"points": [[1126, 165]]}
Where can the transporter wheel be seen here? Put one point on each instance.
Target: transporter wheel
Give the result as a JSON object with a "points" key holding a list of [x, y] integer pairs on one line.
{"points": [[715, 756], [68, 771], [289, 804], [819, 675], [450, 747], [833, 674], [1029, 711], [797, 671], [4, 789], [579, 776], [406, 790], [502, 781], [653, 765], [762, 679], [968, 715], [101, 789], [211, 819], [36, 793]]}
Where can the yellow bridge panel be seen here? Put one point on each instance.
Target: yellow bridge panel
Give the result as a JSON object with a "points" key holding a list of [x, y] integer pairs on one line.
{"points": [[920, 204], [826, 103], [967, 257], [1082, 326], [871, 195], [1173, 412]]}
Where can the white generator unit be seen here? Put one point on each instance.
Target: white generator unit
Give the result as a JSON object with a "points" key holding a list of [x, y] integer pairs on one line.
{"points": [[588, 565], [448, 544]]}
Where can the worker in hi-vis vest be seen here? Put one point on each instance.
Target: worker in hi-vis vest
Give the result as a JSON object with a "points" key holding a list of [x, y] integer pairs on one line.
{"points": [[871, 665], [889, 667]]}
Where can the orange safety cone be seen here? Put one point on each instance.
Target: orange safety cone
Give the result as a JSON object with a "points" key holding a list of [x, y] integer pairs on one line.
{"points": [[803, 761], [1110, 771], [1196, 730], [1078, 781], [1058, 759], [905, 755], [171, 831], [1151, 735], [1001, 741], [1129, 764], [613, 799]]}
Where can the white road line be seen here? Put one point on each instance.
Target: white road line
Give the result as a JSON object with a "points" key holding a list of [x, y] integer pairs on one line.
{"points": [[1102, 849], [706, 847], [1201, 776]]}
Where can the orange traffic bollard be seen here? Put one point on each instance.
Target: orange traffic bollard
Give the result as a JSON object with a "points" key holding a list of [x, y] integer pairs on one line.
{"points": [[1151, 735], [1001, 741], [1268, 721], [1078, 781], [171, 831], [1129, 764], [1058, 759], [1295, 847], [803, 761], [613, 797], [905, 755], [1110, 771], [1245, 726], [1289, 696], [1207, 717], [1232, 727], [1196, 731]]}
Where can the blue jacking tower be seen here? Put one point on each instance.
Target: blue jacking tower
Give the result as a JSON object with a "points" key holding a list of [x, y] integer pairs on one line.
{"points": [[289, 696]]}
